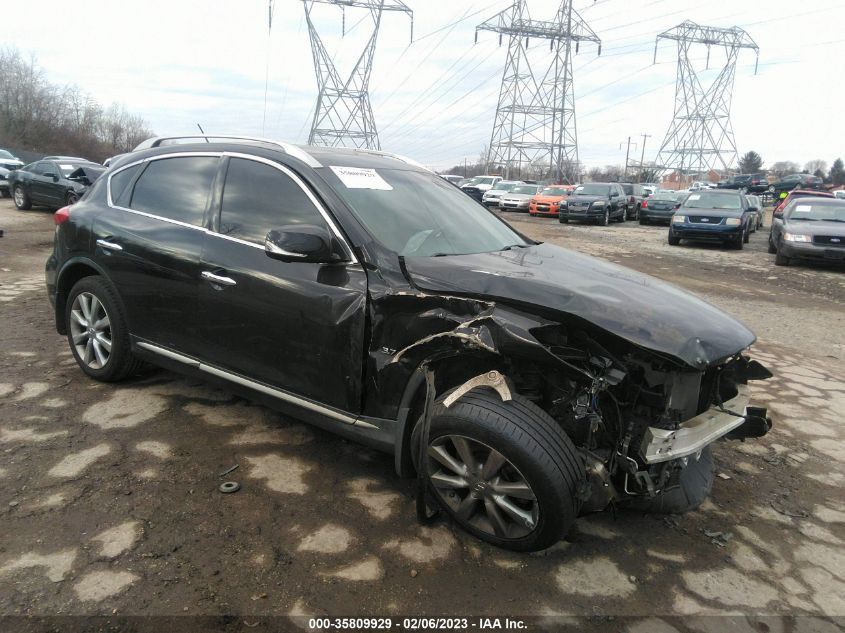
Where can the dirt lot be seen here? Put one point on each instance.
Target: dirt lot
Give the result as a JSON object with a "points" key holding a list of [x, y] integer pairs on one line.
{"points": [[109, 502]]}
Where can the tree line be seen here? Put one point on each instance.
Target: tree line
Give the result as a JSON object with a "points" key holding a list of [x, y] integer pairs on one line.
{"points": [[751, 162], [47, 118]]}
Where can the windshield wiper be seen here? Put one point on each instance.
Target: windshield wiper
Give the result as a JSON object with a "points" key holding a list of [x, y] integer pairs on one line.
{"points": [[512, 246]]}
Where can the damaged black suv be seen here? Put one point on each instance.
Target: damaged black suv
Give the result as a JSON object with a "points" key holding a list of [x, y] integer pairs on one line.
{"points": [[524, 383]]}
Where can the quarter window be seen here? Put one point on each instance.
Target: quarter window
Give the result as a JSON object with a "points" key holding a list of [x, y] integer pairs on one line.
{"points": [[176, 188], [119, 182], [258, 198]]}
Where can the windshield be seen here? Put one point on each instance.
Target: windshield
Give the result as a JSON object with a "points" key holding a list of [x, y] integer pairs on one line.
{"points": [[592, 190], [529, 189], [554, 191], [418, 214], [816, 211], [484, 181], [712, 200], [664, 196], [68, 168], [504, 188], [5, 154], [628, 189]]}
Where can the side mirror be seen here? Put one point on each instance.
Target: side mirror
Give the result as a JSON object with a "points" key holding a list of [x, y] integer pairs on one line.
{"points": [[50, 174], [303, 243]]}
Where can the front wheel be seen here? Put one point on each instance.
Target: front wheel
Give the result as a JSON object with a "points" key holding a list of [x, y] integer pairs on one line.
{"points": [[747, 235], [563, 220], [772, 248], [97, 331], [504, 471], [674, 240], [22, 201], [605, 219], [781, 259]]}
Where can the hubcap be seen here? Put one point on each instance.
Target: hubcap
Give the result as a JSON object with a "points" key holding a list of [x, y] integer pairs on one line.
{"points": [[90, 330], [18, 196], [482, 487]]}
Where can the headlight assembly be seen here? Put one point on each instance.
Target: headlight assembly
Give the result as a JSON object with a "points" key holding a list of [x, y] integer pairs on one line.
{"points": [[733, 221], [598, 203], [679, 219], [796, 237]]}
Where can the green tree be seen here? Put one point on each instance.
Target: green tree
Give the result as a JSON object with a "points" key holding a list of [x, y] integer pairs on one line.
{"points": [[837, 172], [751, 162]]}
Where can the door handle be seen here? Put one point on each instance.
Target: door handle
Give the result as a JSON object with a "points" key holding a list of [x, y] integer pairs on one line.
{"points": [[109, 245], [218, 279]]}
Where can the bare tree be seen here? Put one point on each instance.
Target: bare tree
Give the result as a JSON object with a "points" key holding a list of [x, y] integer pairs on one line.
{"points": [[813, 166], [784, 168]]}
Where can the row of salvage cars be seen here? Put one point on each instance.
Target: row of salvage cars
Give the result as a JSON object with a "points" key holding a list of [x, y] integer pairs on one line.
{"points": [[53, 181]]}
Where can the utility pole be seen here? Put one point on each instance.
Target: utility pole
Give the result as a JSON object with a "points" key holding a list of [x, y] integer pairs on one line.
{"points": [[642, 157], [701, 135], [535, 115], [627, 153], [343, 116]]}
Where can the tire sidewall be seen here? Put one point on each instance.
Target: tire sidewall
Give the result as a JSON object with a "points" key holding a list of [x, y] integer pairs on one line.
{"points": [[120, 351]]}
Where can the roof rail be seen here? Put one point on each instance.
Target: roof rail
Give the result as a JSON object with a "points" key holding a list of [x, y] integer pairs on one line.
{"points": [[287, 148]]}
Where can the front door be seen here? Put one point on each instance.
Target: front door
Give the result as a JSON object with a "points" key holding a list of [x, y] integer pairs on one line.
{"points": [[150, 241], [293, 326]]}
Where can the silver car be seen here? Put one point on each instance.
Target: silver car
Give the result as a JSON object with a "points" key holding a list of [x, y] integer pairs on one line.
{"points": [[491, 198], [517, 199]]}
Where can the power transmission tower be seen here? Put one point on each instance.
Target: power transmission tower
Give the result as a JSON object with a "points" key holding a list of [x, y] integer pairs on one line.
{"points": [[343, 115], [535, 117], [700, 137]]}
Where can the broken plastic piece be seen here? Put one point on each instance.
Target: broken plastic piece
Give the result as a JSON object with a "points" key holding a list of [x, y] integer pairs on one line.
{"points": [[492, 379]]}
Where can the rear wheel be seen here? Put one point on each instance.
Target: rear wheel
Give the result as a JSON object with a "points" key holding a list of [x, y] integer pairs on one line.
{"points": [[72, 198], [97, 331], [504, 471], [22, 201]]}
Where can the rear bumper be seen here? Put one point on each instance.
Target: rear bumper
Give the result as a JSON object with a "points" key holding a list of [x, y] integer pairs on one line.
{"points": [[662, 445]]}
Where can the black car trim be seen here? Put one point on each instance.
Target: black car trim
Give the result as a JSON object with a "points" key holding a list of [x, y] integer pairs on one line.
{"points": [[284, 169], [341, 416]]}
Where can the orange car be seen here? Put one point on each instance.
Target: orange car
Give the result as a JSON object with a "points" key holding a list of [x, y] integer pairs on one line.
{"points": [[548, 200]]}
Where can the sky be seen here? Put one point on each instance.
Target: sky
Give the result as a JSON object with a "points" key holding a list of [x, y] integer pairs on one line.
{"points": [[182, 62]]}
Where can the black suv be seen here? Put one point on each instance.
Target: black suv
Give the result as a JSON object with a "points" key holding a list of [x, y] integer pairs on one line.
{"points": [[363, 293], [750, 183], [598, 202], [634, 196], [796, 181]]}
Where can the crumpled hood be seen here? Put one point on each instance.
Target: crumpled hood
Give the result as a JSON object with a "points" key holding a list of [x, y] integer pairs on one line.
{"points": [[636, 307]]}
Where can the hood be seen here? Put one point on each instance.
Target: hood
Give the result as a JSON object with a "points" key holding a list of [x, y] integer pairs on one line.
{"points": [[11, 163], [638, 308], [576, 198], [816, 227], [549, 198], [518, 196]]}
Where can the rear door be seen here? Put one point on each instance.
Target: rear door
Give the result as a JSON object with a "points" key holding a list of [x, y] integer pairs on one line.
{"points": [[294, 326], [150, 242]]}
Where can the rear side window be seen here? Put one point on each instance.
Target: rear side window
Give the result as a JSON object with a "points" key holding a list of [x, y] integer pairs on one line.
{"points": [[258, 198], [119, 184], [175, 188]]}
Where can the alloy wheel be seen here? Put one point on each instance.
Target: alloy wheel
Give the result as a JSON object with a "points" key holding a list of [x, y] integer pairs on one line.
{"points": [[606, 217], [19, 196], [482, 487], [90, 328]]}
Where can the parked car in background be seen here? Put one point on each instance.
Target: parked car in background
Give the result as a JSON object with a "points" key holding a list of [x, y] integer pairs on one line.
{"points": [[780, 205], [447, 177], [52, 183], [750, 183], [840, 193], [756, 203], [720, 216], [796, 181], [479, 186], [598, 202], [634, 195], [518, 198], [76, 159], [809, 228], [491, 198], [650, 188], [547, 201], [660, 207], [521, 383], [8, 163]]}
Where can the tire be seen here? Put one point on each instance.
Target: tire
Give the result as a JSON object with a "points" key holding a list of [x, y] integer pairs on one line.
{"points": [[537, 452], [22, 200], [5, 194], [772, 248], [673, 239], [747, 235], [781, 259], [72, 198], [694, 484], [738, 244], [605, 219], [119, 363], [643, 221], [563, 220]]}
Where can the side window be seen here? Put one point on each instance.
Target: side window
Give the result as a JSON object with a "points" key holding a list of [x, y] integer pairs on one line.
{"points": [[119, 183], [175, 188], [258, 198], [40, 167]]}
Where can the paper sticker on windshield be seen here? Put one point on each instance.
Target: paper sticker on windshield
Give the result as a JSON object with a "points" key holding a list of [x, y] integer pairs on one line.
{"points": [[67, 167], [694, 196], [360, 178], [804, 207]]}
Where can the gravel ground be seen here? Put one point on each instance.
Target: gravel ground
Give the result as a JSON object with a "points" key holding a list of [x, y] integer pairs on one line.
{"points": [[109, 503]]}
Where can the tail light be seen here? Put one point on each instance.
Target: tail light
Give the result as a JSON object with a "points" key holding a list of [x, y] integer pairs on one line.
{"points": [[61, 216], [644, 205]]}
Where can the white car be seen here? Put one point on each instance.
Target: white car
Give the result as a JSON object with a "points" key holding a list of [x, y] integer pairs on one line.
{"points": [[839, 194], [518, 198], [491, 198], [478, 186]]}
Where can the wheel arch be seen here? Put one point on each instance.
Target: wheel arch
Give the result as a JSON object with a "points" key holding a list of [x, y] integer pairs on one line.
{"points": [[73, 270]]}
